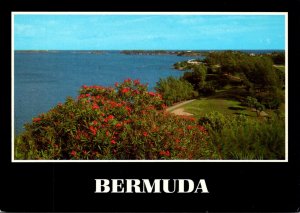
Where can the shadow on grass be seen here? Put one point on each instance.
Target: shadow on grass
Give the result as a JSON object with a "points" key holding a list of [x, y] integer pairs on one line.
{"points": [[239, 113], [237, 108], [234, 93]]}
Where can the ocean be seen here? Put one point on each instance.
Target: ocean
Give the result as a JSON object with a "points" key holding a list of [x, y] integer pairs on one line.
{"points": [[43, 79]]}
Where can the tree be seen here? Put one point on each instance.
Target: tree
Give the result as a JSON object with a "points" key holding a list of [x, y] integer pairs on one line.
{"points": [[252, 102], [197, 77], [175, 90]]}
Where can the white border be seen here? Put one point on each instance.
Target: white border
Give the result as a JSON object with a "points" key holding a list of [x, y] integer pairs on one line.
{"points": [[149, 13]]}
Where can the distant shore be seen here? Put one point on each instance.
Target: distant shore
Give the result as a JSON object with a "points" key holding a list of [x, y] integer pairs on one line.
{"points": [[163, 52]]}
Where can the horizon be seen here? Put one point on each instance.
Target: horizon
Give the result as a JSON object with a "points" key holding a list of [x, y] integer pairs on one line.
{"points": [[150, 32], [149, 49]]}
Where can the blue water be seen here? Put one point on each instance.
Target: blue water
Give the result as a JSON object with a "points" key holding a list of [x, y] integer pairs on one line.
{"points": [[42, 80]]}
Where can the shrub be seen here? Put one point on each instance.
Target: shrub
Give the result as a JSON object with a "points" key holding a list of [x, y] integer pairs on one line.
{"points": [[271, 99], [208, 89], [238, 137], [175, 90], [215, 120], [124, 122]]}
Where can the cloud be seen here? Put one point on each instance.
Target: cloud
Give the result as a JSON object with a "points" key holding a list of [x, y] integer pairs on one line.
{"points": [[26, 30]]}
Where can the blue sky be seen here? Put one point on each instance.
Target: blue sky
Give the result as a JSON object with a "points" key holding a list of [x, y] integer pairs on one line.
{"points": [[120, 32]]}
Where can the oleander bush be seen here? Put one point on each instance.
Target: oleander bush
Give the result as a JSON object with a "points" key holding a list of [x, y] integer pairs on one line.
{"points": [[122, 122]]}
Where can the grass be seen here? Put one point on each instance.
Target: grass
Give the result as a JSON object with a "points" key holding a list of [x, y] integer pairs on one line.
{"points": [[225, 101], [280, 67], [203, 106]]}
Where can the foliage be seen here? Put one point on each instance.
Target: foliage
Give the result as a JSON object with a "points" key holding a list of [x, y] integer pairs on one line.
{"points": [[271, 99], [253, 103], [256, 72], [175, 90], [197, 76], [183, 65], [238, 137], [278, 57], [208, 89], [124, 122]]}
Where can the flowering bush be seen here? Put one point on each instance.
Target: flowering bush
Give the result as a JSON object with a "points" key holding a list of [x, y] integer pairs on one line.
{"points": [[124, 122]]}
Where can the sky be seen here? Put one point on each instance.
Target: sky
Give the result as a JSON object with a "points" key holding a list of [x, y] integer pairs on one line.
{"points": [[148, 31]]}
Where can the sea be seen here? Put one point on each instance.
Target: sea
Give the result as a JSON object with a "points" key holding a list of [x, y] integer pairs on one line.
{"points": [[42, 79]]}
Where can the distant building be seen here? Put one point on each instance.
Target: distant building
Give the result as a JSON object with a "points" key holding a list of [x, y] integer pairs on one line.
{"points": [[192, 61]]}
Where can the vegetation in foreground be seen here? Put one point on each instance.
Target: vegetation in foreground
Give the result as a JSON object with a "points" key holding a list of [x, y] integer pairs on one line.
{"points": [[125, 122], [238, 137], [128, 122]]}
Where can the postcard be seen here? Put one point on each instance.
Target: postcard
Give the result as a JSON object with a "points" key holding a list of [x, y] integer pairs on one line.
{"points": [[150, 111]]}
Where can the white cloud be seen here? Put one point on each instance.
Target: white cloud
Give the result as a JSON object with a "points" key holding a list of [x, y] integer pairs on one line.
{"points": [[26, 30]]}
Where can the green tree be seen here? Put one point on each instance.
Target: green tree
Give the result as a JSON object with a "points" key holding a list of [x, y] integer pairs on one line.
{"points": [[197, 76], [175, 90], [252, 102]]}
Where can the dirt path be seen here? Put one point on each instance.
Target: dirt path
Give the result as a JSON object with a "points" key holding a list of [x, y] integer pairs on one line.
{"points": [[179, 111]]}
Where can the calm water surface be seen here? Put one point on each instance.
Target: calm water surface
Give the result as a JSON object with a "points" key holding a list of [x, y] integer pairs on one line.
{"points": [[42, 80]]}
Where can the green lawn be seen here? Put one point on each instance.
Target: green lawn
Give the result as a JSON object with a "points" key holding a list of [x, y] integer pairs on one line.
{"points": [[225, 101], [203, 106], [280, 67]]}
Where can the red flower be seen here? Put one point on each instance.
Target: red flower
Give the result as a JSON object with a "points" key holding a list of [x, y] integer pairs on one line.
{"points": [[202, 129], [192, 119], [145, 134], [85, 152], [116, 84], [151, 93], [127, 80], [125, 90], [136, 82], [177, 140], [110, 117], [128, 109], [37, 119], [150, 107], [84, 86], [127, 121], [113, 142], [118, 125], [95, 106], [165, 153], [73, 153], [93, 130], [189, 127], [107, 133], [136, 91]]}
